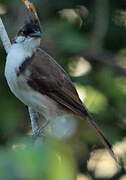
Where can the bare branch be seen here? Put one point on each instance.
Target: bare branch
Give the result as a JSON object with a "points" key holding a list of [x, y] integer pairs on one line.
{"points": [[104, 57], [4, 37]]}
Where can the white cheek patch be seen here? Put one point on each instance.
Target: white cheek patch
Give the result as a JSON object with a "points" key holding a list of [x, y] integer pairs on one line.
{"points": [[27, 44], [20, 39]]}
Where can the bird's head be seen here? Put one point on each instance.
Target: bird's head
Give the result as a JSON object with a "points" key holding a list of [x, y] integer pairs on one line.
{"points": [[29, 35]]}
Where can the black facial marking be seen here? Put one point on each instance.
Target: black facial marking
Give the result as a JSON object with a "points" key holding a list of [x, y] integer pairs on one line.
{"points": [[30, 27]]}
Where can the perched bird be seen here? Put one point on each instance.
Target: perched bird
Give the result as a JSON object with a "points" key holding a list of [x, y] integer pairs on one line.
{"points": [[36, 79]]}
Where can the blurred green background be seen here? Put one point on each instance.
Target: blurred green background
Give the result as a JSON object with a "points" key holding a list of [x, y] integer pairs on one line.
{"points": [[88, 38]]}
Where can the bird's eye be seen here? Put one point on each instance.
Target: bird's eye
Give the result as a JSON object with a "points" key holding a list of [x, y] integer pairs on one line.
{"points": [[27, 31], [23, 33], [20, 33]]}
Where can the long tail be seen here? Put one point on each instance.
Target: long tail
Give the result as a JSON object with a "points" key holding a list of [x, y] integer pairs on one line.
{"points": [[99, 133]]}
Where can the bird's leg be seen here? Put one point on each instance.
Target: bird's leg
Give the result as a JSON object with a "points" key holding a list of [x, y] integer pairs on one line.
{"points": [[37, 129], [34, 116]]}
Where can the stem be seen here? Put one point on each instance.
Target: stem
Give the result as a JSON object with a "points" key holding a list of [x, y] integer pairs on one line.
{"points": [[4, 37], [7, 44]]}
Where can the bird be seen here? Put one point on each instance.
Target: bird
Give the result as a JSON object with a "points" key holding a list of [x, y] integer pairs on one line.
{"points": [[38, 81]]}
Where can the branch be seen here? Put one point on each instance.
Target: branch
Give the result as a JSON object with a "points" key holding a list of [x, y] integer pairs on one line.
{"points": [[100, 22], [7, 44], [4, 37], [104, 57]]}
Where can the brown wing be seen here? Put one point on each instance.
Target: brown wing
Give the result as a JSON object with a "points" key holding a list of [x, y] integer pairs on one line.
{"points": [[49, 78]]}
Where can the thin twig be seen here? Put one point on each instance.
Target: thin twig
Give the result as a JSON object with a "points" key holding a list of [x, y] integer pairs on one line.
{"points": [[4, 37], [7, 44], [104, 57], [100, 22]]}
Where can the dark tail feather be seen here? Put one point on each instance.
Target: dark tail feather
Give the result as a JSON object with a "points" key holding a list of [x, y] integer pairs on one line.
{"points": [[99, 133], [101, 136]]}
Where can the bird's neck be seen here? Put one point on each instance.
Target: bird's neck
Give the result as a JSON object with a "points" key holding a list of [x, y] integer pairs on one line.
{"points": [[17, 55], [28, 46], [28, 49], [20, 52]]}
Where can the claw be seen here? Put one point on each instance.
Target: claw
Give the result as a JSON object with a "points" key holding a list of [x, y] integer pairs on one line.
{"points": [[39, 132]]}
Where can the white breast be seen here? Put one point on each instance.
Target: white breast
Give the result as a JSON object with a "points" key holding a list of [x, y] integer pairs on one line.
{"points": [[18, 85], [19, 52], [15, 58]]}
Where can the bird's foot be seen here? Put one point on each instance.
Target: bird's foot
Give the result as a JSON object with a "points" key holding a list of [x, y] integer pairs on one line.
{"points": [[39, 131]]}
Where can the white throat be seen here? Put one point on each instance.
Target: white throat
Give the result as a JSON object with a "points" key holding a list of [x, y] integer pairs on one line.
{"points": [[20, 52], [27, 43]]}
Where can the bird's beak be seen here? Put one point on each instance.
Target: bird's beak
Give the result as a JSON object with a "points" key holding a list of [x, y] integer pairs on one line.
{"points": [[36, 34]]}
